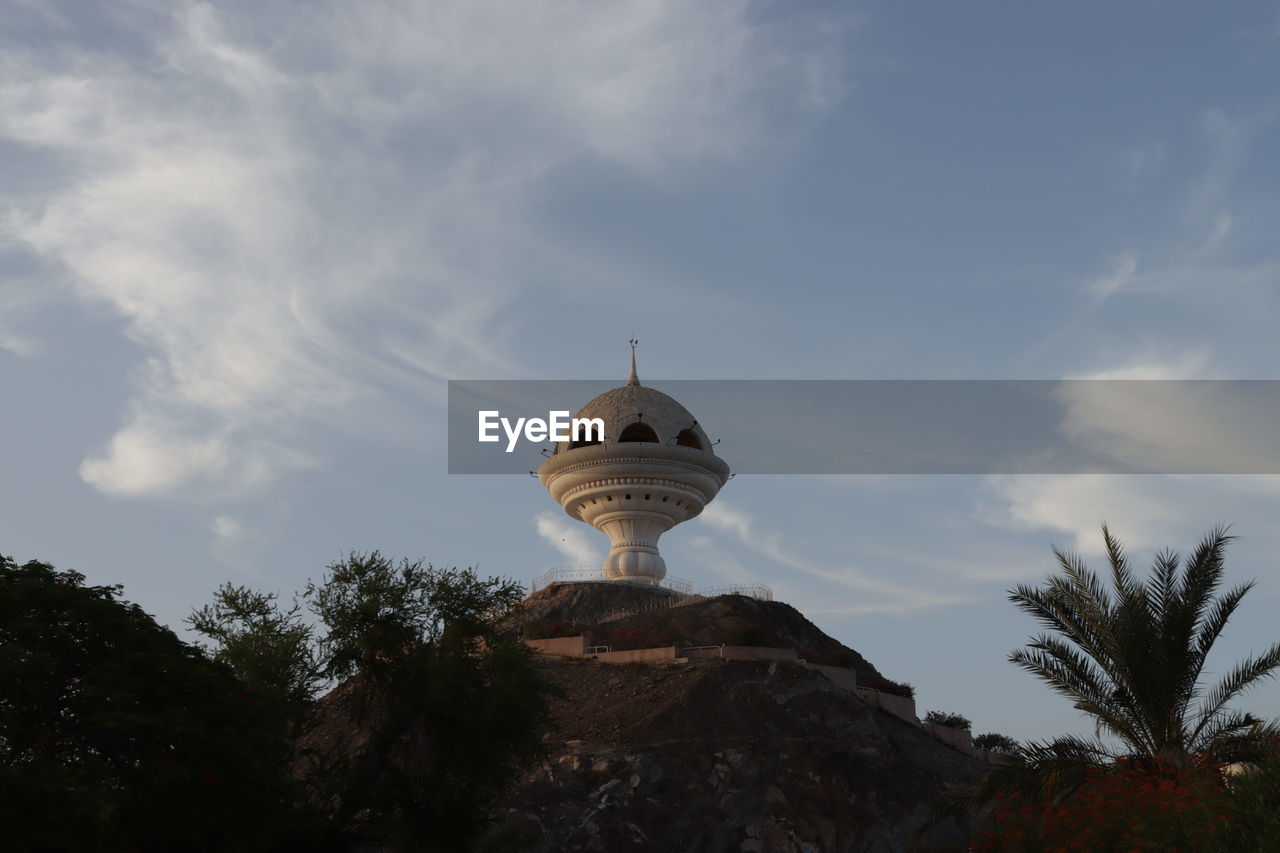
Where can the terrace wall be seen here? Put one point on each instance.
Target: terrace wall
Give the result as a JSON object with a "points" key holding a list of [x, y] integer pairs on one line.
{"points": [[656, 655], [961, 739], [571, 646], [900, 706]]}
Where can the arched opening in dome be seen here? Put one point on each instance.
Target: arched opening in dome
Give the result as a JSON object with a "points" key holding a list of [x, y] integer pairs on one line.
{"points": [[586, 433], [639, 432], [689, 438]]}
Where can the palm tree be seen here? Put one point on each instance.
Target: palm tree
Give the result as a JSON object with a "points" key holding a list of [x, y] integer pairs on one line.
{"points": [[1131, 655]]}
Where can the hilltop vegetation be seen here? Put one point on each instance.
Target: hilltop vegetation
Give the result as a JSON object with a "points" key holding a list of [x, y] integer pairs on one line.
{"points": [[117, 735]]}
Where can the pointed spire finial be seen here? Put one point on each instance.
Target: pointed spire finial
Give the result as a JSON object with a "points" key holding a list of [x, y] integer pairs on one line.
{"points": [[633, 379]]}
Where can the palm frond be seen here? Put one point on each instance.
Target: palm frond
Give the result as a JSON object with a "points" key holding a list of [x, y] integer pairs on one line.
{"points": [[1074, 675], [1121, 574], [1241, 738], [1203, 572], [1047, 771], [1215, 621], [1241, 677]]}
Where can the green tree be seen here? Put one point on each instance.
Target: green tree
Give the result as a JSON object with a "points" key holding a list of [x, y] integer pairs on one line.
{"points": [[442, 705], [1131, 654], [116, 735], [996, 742], [271, 650]]}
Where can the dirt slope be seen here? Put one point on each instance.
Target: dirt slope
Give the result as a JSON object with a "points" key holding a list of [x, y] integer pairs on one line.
{"points": [[724, 756]]}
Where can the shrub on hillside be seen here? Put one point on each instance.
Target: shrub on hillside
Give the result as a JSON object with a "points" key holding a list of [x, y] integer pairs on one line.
{"points": [[995, 742], [948, 719], [885, 685]]}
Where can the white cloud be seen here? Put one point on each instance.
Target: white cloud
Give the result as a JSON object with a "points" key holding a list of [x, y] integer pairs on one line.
{"points": [[1147, 512], [1123, 269], [226, 528], [298, 210], [709, 555], [1190, 363], [569, 537], [1167, 426], [1078, 505]]}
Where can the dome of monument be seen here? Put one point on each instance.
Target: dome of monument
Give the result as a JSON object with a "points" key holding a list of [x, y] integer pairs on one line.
{"points": [[636, 413]]}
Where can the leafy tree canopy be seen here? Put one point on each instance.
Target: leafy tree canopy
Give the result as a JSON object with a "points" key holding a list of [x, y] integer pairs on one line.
{"points": [[270, 649], [376, 609], [996, 742], [116, 735], [439, 704]]}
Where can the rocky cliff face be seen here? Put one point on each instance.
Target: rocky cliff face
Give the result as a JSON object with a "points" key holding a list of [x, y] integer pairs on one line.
{"points": [[716, 755], [726, 756]]}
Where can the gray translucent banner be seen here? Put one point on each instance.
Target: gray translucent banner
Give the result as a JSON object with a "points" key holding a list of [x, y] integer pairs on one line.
{"points": [[919, 426]]}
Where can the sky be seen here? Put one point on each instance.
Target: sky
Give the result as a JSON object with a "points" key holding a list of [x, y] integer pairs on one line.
{"points": [[244, 245]]}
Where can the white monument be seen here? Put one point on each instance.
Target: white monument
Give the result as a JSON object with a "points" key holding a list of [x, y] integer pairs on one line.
{"points": [[654, 469]]}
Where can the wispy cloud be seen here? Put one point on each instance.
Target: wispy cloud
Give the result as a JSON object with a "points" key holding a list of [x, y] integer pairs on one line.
{"points": [[880, 596], [1121, 273], [1148, 512], [298, 218], [571, 538], [226, 528], [1183, 363], [1144, 159], [14, 308]]}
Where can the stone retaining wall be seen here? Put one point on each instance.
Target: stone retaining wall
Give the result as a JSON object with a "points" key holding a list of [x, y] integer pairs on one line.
{"points": [[901, 707], [961, 739], [658, 655], [571, 646]]}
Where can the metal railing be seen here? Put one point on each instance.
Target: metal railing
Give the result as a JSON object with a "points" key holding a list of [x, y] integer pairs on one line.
{"points": [[572, 574], [758, 591], [565, 574], [679, 585]]}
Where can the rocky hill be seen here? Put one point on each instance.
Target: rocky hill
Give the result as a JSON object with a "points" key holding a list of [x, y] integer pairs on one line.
{"points": [[716, 755], [720, 755], [622, 616], [708, 754]]}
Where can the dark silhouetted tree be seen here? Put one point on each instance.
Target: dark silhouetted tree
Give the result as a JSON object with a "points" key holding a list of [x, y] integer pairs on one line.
{"points": [[116, 735], [441, 706], [271, 650]]}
